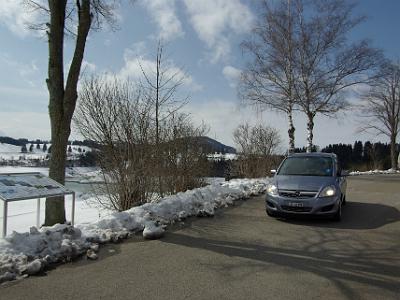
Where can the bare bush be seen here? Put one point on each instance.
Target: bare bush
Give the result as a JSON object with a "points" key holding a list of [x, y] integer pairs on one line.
{"points": [[185, 163], [257, 147], [113, 114], [140, 160]]}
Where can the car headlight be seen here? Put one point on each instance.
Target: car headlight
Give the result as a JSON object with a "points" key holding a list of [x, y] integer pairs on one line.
{"points": [[272, 190], [328, 191]]}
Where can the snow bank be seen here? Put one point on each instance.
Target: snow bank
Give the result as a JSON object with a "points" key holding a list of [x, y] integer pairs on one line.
{"points": [[373, 172], [23, 254]]}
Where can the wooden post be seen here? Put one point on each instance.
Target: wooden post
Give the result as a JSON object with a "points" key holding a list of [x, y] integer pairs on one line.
{"points": [[38, 214], [73, 209], [5, 209]]}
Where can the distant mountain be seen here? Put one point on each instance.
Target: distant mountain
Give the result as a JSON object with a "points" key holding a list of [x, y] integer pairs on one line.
{"points": [[210, 145]]}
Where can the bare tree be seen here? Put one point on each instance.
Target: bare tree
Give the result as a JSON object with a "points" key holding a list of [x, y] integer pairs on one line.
{"points": [[160, 86], [65, 17], [256, 146], [268, 81], [326, 64], [381, 107]]}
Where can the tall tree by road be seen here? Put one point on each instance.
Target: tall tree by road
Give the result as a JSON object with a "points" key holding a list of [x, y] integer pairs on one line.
{"points": [[267, 81], [327, 64], [381, 107], [75, 18]]}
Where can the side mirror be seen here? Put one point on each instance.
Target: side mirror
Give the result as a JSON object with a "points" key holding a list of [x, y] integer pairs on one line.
{"points": [[344, 173], [273, 172]]}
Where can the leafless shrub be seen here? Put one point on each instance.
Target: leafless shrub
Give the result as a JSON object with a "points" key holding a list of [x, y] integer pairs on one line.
{"points": [[256, 146], [113, 114], [140, 159]]}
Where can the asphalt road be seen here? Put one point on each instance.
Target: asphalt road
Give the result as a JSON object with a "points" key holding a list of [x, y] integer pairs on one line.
{"points": [[243, 254]]}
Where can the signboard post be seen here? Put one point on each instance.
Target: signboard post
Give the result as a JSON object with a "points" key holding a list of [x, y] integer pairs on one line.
{"points": [[24, 186]]}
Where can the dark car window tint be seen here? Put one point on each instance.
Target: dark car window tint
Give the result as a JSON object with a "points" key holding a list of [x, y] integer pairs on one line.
{"points": [[307, 166]]}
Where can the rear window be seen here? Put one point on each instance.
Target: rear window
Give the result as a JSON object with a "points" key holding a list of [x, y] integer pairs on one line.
{"points": [[307, 166]]}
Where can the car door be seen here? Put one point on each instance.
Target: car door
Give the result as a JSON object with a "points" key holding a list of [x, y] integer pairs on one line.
{"points": [[342, 181]]}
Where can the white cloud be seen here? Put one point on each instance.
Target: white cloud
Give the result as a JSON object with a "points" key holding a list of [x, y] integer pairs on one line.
{"points": [[88, 67], [163, 13], [15, 15], [135, 61], [216, 20], [31, 125], [232, 74], [29, 72]]}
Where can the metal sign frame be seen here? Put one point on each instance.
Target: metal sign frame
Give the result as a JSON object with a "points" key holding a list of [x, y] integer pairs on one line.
{"points": [[38, 197]]}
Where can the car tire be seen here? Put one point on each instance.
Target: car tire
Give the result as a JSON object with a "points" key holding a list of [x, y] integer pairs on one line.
{"points": [[270, 213], [338, 215]]}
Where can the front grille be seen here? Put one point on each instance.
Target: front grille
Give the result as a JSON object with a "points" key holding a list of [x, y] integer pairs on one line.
{"points": [[296, 209], [297, 194]]}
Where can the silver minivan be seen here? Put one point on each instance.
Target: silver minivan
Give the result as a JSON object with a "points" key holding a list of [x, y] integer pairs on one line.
{"points": [[310, 184]]}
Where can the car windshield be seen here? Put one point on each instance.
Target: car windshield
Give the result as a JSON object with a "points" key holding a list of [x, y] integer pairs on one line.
{"points": [[307, 166]]}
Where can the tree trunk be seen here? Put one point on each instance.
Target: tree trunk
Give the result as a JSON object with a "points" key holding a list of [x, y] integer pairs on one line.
{"points": [[62, 100], [55, 212], [310, 135], [291, 132], [393, 152]]}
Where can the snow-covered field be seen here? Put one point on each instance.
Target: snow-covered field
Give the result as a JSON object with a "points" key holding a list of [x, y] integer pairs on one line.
{"points": [[30, 250], [12, 152]]}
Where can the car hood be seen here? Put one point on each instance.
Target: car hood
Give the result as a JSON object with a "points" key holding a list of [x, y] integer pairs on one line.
{"points": [[303, 183]]}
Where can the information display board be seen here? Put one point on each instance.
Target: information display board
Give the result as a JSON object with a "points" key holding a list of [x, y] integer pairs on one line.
{"points": [[23, 186], [20, 186]]}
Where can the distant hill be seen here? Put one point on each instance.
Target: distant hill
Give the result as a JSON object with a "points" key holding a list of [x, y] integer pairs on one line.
{"points": [[210, 145], [12, 141]]}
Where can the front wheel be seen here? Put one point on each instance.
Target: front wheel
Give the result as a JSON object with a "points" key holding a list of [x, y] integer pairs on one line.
{"points": [[338, 215]]}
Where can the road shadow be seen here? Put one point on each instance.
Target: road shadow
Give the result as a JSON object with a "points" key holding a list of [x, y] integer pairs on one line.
{"points": [[367, 266], [355, 215]]}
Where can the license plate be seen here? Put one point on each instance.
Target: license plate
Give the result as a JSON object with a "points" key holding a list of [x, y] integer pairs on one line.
{"points": [[296, 204]]}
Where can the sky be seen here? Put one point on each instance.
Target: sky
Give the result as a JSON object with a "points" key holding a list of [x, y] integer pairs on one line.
{"points": [[202, 38]]}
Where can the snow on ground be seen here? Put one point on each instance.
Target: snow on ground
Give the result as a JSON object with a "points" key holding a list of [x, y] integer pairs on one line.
{"points": [[12, 152], [373, 172], [222, 156], [23, 254]]}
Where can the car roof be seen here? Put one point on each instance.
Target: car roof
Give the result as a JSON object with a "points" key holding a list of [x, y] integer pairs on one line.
{"points": [[315, 154]]}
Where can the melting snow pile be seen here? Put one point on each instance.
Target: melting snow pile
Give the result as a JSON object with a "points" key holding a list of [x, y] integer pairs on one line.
{"points": [[373, 172], [23, 254]]}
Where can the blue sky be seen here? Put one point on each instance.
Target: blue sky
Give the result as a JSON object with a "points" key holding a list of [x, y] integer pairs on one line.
{"points": [[202, 37]]}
